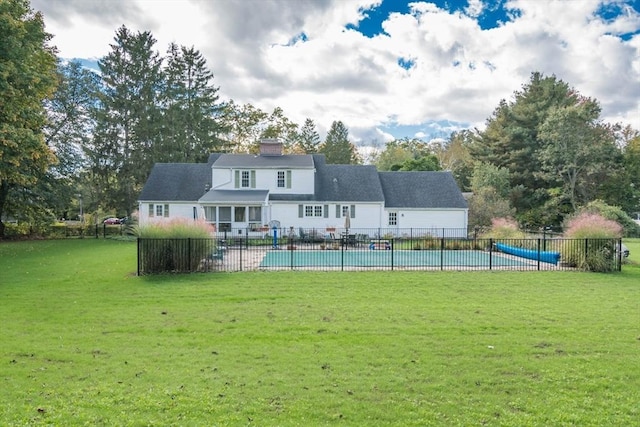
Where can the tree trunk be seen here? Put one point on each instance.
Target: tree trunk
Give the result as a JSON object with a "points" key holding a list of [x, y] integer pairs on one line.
{"points": [[4, 193]]}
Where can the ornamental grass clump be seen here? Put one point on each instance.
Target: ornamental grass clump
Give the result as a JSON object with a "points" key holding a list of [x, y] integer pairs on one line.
{"points": [[175, 245], [591, 242], [506, 230], [176, 228]]}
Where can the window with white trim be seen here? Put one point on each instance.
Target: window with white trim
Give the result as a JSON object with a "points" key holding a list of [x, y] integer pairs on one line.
{"points": [[393, 218], [239, 213], [210, 213], [313, 210], [158, 210], [255, 213], [245, 179], [283, 179], [224, 218]]}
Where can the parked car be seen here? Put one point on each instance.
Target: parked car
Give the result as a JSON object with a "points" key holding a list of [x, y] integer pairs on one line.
{"points": [[112, 221]]}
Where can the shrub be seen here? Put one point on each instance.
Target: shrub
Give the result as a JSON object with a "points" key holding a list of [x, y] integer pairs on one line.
{"points": [[504, 229], [593, 245], [175, 245]]}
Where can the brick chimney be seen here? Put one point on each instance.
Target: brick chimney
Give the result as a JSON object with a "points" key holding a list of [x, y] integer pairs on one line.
{"points": [[270, 147]]}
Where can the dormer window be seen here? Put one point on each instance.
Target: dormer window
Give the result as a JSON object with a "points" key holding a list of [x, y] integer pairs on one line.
{"points": [[284, 179], [245, 179]]}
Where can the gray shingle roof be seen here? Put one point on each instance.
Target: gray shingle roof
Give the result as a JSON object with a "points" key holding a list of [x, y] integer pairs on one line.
{"points": [[235, 196], [338, 183], [175, 182], [213, 157], [421, 190], [341, 183], [296, 161], [291, 197]]}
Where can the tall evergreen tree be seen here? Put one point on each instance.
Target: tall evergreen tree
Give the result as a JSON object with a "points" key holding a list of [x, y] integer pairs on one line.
{"points": [[511, 141], [128, 120], [27, 78], [309, 139], [337, 148], [191, 128]]}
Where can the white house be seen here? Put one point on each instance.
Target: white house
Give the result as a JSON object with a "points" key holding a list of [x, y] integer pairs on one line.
{"points": [[244, 192]]}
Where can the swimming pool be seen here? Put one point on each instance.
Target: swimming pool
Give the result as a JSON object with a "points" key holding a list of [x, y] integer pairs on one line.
{"points": [[389, 259]]}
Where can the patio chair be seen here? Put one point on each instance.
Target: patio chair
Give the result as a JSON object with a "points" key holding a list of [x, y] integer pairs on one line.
{"points": [[304, 236]]}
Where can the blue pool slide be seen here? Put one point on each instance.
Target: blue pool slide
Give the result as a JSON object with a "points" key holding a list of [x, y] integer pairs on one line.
{"points": [[544, 256]]}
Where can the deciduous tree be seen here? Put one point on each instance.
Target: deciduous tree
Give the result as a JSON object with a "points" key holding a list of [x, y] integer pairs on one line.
{"points": [[244, 124], [69, 128], [27, 78], [278, 126], [577, 150], [399, 151]]}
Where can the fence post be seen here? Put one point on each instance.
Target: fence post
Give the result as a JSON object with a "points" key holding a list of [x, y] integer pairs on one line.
{"points": [[290, 246], [138, 244], [490, 253], [539, 254], [442, 253], [189, 254], [586, 249], [619, 252], [392, 242]]}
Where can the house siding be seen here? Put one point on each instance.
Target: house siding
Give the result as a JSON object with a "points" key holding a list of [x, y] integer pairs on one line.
{"points": [[301, 180], [367, 215], [431, 219], [176, 210]]}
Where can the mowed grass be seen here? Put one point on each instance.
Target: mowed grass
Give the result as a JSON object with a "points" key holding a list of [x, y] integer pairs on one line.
{"points": [[83, 341]]}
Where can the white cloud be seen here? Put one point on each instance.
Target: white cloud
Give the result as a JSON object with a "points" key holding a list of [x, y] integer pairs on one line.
{"points": [[459, 73], [474, 9]]}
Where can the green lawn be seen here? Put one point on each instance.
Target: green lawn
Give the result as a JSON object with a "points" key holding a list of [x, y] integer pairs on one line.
{"points": [[83, 341]]}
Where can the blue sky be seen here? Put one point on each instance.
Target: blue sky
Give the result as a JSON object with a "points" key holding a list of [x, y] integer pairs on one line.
{"points": [[388, 69]]}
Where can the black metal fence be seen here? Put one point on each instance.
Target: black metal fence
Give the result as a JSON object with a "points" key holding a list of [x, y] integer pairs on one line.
{"points": [[363, 251], [94, 231]]}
